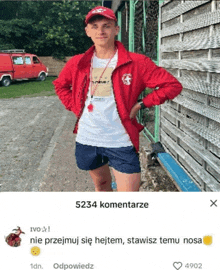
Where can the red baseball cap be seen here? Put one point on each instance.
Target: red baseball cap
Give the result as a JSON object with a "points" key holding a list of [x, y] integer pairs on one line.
{"points": [[104, 11]]}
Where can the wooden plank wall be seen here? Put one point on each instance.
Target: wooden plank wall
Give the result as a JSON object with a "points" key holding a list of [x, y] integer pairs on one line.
{"points": [[54, 65], [190, 124]]}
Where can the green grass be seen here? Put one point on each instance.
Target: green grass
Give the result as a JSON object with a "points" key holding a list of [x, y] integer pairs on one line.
{"points": [[31, 88]]}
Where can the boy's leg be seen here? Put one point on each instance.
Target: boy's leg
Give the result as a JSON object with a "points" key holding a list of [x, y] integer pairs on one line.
{"points": [[102, 178], [127, 182]]}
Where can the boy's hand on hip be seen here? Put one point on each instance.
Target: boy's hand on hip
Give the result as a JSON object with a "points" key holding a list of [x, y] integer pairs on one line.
{"points": [[135, 110]]}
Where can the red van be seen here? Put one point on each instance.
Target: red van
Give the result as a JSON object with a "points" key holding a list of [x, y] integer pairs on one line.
{"points": [[18, 65]]}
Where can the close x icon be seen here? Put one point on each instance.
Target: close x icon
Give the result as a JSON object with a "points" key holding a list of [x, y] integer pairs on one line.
{"points": [[213, 203]]}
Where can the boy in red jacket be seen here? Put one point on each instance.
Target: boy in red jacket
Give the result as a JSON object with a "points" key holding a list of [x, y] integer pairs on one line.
{"points": [[101, 87]]}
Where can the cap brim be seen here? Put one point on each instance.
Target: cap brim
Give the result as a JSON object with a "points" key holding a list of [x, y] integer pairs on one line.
{"points": [[106, 16]]}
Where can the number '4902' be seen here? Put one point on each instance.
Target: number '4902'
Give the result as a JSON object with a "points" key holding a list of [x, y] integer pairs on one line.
{"points": [[193, 265]]}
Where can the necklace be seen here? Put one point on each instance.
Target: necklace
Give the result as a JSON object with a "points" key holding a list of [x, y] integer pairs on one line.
{"points": [[91, 106]]}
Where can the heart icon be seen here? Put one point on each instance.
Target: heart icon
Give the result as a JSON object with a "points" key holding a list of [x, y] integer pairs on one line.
{"points": [[177, 265]]}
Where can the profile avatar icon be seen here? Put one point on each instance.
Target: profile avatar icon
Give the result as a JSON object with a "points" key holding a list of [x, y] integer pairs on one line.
{"points": [[13, 239]]}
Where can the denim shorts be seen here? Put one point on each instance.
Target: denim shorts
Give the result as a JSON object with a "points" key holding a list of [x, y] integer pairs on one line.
{"points": [[123, 159]]}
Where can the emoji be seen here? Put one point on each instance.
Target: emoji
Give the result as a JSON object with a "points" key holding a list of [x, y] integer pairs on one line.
{"points": [[207, 240], [35, 251], [13, 239]]}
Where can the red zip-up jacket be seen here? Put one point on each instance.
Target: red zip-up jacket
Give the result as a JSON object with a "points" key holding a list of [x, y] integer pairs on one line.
{"points": [[133, 73]]}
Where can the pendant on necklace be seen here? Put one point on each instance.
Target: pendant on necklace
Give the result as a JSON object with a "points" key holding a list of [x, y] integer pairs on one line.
{"points": [[90, 107]]}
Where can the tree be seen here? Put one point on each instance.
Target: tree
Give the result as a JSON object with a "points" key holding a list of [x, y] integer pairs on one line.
{"points": [[44, 27], [63, 30], [14, 33]]}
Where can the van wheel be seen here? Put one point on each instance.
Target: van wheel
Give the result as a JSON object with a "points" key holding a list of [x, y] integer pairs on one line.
{"points": [[6, 81], [42, 77]]}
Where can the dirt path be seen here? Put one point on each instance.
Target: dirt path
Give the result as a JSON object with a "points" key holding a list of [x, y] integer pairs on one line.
{"points": [[33, 134], [38, 151]]}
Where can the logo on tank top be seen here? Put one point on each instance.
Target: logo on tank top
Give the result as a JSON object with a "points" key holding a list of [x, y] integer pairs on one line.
{"points": [[127, 78]]}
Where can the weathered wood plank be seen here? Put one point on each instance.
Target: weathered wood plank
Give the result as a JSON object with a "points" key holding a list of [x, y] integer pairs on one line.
{"points": [[196, 81], [203, 132], [213, 172], [173, 104], [215, 78], [198, 86], [169, 148], [204, 110], [180, 9], [193, 64], [193, 124], [196, 22], [166, 129], [170, 23], [205, 8], [170, 55], [215, 102], [201, 43], [195, 54], [204, 175], [201, 98], [174, 72], [217, 29], [168, 116], [185, 116], [193, 134], [169, 41], [193, 127], [169, 4], [216, 53], [215, 127], [203, 153], [213, 148], [194, 75], [193, 117], [190, 152]]}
